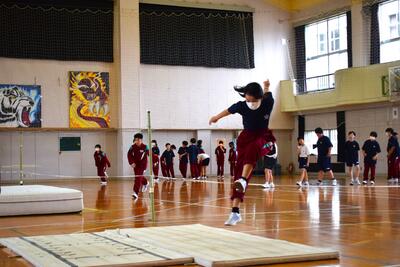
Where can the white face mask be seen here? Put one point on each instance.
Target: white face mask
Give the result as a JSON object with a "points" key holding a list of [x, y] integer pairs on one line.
{"points": [[372, 138], [97, 149], [153, 144], [254, 105]]}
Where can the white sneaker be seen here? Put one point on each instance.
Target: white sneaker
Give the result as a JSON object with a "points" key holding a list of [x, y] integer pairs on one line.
{"points": [[266, 185], [272, 185], [365, 182], [240, 185], [334, 182], [233, 219], [372, 182], [145, 187], [319, 182], [390, 180], [352, 182], [103, 183], [396, 180], [135, 196], [306, 183], [299, 183], [357, 181]]}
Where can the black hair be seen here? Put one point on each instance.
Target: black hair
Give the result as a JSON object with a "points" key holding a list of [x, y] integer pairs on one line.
{"points": [[167, 144], [389, 130], [318, 130], [300, 138], [231, 144], [173, 147], [199, 143], [352, 132], [252, 89], [185, 143], [374, 134], [221, 142], [138, 135], [154, 141], [97, 146], [193, 140]]}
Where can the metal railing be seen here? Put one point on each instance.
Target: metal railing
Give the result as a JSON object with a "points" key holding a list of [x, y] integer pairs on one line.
{"points": [[314, 84]]}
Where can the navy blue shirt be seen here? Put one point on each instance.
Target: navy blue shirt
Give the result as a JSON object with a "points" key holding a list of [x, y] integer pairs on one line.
{"points": [[155, 150], [351, 149], [183, 150], [254, 119], [323, 145], [371, 148], [393, 142], [168, 156], [193, 151]]}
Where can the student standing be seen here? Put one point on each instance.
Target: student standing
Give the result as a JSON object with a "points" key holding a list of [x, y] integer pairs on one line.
{"points": [[270, 160], [392, 156], [232, 158], [351, 151], [156, 158], [168, 160], [183, 159], [252, 141], [303, 154], [193, 151], [324, 146], [102, 163], [370, 149], [137, 158], [220, 154]]}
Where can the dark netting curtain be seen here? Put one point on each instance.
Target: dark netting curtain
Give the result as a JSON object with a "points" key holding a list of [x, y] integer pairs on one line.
{"points": [[349, 40], [62, 30], [172, 35], [300, 42], [375, 56]]}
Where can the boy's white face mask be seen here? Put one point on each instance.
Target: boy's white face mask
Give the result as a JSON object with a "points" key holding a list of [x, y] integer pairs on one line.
{"points": [[372, 138], [153, 144], [97, 149], [254, 105]]}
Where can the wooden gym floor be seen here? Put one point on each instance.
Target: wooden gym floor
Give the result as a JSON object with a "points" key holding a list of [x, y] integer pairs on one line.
{"points": [[363, 223]]}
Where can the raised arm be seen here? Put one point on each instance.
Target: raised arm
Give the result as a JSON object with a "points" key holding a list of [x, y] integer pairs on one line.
{"points": [[221, 115]]}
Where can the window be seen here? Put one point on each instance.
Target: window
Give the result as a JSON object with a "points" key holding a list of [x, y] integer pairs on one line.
{"points": [[326, 51], [310, 139], [389, 30]]}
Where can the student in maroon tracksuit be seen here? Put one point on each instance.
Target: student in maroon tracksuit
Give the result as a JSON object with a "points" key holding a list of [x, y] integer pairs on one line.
{"points": [[232, 158], [220, 153], [155, 158], [137, 158], [253, 142], [102, 163], [183, 159]]}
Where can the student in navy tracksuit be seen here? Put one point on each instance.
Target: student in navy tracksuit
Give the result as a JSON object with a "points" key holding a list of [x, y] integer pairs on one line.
{"points": [[167, 158], [220, 154], [370, 149], [232, 158], [155, 158], [183, 159], [102, 163], [193, 151], [392, 156], [324, 146], [351, 151], [253, 142]]}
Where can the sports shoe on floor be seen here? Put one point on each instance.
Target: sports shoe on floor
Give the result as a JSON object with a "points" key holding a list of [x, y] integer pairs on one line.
{"points": [[240, 185], [357, 181], [135, 196], [266, 185], [319, 182], [306, 183], [103, 183], [352, 182], [396, 180], [334, 182], [272, 185], [372, 182], [365, 182], [145, 187], [233, 219], [299, 183]]}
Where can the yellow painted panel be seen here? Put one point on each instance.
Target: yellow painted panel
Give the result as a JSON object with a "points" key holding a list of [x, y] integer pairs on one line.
{"points": [[353, 86]]}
